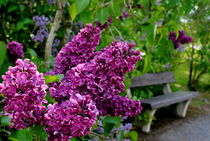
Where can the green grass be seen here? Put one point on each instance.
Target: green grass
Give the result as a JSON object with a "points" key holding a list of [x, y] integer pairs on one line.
{"points": [[182, 76]]}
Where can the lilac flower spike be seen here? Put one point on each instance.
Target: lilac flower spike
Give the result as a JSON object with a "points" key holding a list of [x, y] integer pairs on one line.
{"points": [[79, 50], [181, 39], [71, 118], [24, 90], [102, 78]]}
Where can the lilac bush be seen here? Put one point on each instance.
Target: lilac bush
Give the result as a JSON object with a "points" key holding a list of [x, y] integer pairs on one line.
{"points": [[24, 90], [71, 118], [91, 87], [15, 50]]}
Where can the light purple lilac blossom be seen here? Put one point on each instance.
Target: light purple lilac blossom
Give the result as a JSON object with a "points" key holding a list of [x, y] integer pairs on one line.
{"points": [[79, 50], [24, 90], [70, 118], [42, 32], [15, 50], [182, 38]]}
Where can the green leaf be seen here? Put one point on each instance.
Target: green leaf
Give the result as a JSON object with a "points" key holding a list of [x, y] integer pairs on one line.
{"points": [[27, 21], [73, 11], [77, 7], [33, 53], [5, 120], [114, 9], [39, 131], [133, 135], [102, 15], [53, 78], [109, 123], [49, 98], [19, 25], [12, 8], [151, 33], [87, 17], [114, 120], [3, 2], [3, 52], [82, 5], [21, 135]]}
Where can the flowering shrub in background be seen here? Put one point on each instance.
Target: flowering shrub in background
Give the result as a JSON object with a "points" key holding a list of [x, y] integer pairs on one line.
{"points": [[15, 50], [42, 32], [181, 39]]}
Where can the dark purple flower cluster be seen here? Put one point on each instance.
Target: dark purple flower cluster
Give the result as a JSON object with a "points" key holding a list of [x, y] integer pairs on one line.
{"points": [[70, 118], [182, 38], [24, 90], [15, 50], [118, 106], [102, 78], [42, 32], [105, 25], [79, 50]]}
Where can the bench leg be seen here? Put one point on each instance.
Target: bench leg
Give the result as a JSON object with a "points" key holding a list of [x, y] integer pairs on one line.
{"points": [[181, 108], [146, 127]]}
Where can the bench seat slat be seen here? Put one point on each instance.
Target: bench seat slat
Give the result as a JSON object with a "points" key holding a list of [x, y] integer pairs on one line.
{"points": [[168, 99], [152, 79]]}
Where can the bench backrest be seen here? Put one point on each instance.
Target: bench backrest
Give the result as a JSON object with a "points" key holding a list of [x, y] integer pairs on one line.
{"points": [[152, 79]]}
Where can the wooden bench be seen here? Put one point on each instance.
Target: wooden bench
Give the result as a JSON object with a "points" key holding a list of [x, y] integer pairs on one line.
{"points": [[180, 99]]}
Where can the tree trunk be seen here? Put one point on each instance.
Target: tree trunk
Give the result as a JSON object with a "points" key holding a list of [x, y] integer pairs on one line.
{"points": [[60, 4], [191, 69]]}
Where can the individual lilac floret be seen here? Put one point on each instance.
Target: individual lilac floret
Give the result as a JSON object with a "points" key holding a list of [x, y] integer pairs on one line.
{"points": [[15, 50], [71, 118], [102, 78], [79, 50], [24, 90]]}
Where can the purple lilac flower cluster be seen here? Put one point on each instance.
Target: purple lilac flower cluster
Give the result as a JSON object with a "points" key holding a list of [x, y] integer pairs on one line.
{"points": [[182, 38], [42, 32], [70, 118], [15, 50], [79, 50], [24, 90], [102, 78], [105, 25]]}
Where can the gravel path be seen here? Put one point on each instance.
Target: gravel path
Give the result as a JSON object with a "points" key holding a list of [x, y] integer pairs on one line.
{"points": [[197, 129]]}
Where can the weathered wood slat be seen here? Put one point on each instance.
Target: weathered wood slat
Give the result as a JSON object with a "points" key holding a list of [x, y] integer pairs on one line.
{"points": [[168, 99], [152, 79]]}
